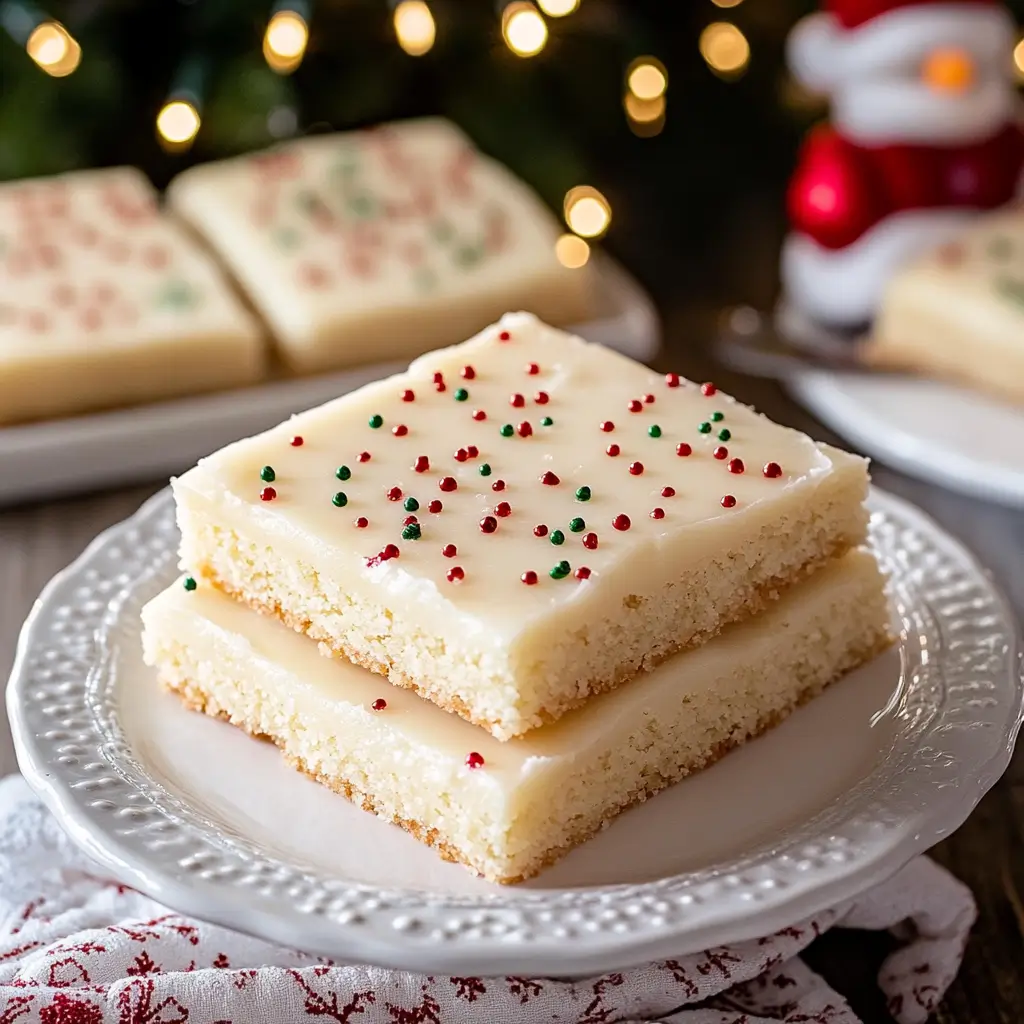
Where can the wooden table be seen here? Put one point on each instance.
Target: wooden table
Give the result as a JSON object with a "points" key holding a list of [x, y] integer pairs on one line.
{"points": [[987, 853]]}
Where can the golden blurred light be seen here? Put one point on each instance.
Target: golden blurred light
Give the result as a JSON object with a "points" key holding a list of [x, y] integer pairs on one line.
{"points": [[177, 123], [725, 48], [1018, 59], [415, 28], [647, 78], [727, 3], [572, 252], [54, 49], [285, 41], [524, 30], [949, 69], [558, 8], [586, 211], [646, 118]]}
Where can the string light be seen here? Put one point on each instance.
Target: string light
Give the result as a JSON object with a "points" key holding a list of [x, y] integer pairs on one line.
{"points": [[586, 211], [54, 49], [646, 78], [572, 251], [558, 8], [285, 39], [725, 48], [415, 28], [178, 123], [524, 30]]}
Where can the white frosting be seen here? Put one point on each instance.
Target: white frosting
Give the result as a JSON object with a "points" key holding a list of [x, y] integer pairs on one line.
{"points": [[371, 245], [845, 286], [873, 73]]}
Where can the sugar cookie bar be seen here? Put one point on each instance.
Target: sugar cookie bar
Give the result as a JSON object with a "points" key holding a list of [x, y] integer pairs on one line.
{"points": [[366, 246], [104, 301], [518, 522]]}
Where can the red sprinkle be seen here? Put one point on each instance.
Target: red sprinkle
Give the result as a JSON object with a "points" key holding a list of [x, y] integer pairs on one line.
{"points": [[607, 426], [395, 494], [708, 389], [657, 513], [461, 455], [363, 457], [440, 386], [683, 449], [297, 441], [400, 430], [447, 483], [728, 501], [648, 399], [668, 492], [438, 377], [532, 369], [473, 759], [541, 398], [672, 380], [517, 401], [449, 551], [498, 485], [488, 524], [362, 523], [479, 414], [590, 541], [268, 494], [540, 530], [772, 470], [379, 704], [390, 551], [503, 509], [473, 451], [635, 405], [529, 577], [736, 466], [582, 573], [636, 468], [455, 574], [408, 395], [621, 522], [421, 465], [613, 450], [550, 479], [721, 452], [468, 373], [504, 336], [409, 520], [435, 506], [524, 429]]}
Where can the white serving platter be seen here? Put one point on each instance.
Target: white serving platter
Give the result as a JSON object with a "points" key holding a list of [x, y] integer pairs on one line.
{"points": [[59, 457], [216, 825]]}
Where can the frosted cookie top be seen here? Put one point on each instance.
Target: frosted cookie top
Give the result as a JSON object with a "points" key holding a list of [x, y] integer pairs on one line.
{"points": [[342, 236], [88, 259], [508, 475]]}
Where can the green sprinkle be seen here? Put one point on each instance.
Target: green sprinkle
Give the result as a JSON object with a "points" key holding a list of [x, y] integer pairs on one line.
{"points": [[547, 421], [724, 434], [560, 571], [557, 537], [376, 420], [411, 504], [577, 525], [583, 494], [717, 417], [461, 394], [267, 474], [485, 469], [340, 499], [411, 532], [654, 430], [704, 428], [1000, 248], [507, 430], [189, 583], [343, 472]]}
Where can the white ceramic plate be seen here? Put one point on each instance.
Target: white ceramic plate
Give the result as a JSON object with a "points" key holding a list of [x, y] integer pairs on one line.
{"points": [[45, 460], [214, 824]]}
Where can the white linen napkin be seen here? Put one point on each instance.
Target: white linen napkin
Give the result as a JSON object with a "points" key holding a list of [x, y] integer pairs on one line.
{"points": [[77, 948]]}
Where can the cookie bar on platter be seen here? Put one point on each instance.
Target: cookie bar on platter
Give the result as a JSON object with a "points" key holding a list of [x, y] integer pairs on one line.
{"points": [[104, 301], [518, 522], [375, 245]]}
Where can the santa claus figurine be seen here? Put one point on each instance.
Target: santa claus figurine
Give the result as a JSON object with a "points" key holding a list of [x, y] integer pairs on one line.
{"points": [[924, 131]]}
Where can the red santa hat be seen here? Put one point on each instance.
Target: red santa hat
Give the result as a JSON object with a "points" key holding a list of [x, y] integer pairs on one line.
{"points": [[853, 13]]}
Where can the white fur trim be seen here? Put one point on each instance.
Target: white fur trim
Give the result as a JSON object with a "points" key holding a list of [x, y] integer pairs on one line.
{"points": [[844, 286]]}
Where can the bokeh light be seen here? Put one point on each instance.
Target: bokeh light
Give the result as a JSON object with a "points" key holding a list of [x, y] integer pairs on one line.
{"points": [[177, 123], [524, 30], [572, 251], [725, 48], [647, 78], [415, 27], [558, 8], [587, 212], [54, 49], [285, 41]]}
